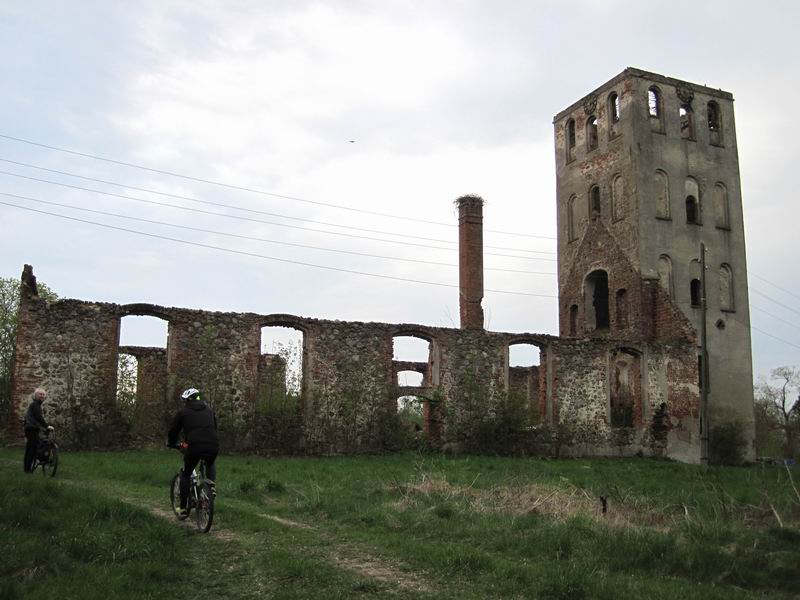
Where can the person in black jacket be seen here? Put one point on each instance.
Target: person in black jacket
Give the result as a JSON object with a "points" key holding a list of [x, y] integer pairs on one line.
{"points": [[199, 426], [34, 423]]}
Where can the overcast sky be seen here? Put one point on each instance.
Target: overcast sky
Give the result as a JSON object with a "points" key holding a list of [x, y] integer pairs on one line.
{"points": [[335, 111]]}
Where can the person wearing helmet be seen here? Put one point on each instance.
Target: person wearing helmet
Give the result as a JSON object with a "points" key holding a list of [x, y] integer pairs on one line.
{"points": [[199, 426]]}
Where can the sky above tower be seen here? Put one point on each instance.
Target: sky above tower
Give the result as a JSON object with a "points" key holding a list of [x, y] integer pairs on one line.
{"points": [[304, 157]]}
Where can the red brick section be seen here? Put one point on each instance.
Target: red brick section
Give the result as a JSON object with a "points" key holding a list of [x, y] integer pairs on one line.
{"points": [[470, 261]]}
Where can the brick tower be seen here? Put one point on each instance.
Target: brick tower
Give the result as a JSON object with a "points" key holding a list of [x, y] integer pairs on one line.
{"points": [[647, 170]]}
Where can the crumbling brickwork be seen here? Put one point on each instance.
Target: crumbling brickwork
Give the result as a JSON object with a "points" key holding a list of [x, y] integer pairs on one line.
{"points": [[349, 388]]}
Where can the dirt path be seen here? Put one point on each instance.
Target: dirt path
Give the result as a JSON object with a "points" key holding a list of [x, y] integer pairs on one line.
{"points": [[348, 556]]}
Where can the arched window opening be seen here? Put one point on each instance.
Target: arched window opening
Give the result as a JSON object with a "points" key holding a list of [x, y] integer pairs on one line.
{"points": [[687, 121], [726, 288], [570, 140], [692, 215], [665, 274], [573, 320], [412, 361], [619, 201], [714, 123], [572, 218], [523, 377], [622, 308], [654, 102], [655, 109], [596, 294], [694, 293], [721, 207], [591, 133], [594, 199], [281, 367], [141, 393], [613, 107], [625, 389], [662, 195]]}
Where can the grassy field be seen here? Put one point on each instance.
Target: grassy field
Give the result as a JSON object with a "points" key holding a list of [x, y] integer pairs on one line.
{"points": [[409, 525]]}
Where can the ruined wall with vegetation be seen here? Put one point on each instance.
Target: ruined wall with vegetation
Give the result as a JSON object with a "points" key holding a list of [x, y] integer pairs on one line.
{"points": [[347, 400]]}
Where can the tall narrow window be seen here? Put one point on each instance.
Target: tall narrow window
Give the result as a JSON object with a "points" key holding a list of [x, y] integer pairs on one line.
{"points": [[622, 309], [570, 141], [694, 213], [694, 293], [721, 208], [613, 115], [591, 133], [594, 202], [687, 121], [691, 210], [714, 123], [619, 202], [572, 218], [596, 300], [613, 107], [726, 288], [662, 195], [665, 274], [655, 109]]}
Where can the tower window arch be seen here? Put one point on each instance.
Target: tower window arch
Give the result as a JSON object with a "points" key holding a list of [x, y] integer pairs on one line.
{"points": [[613, 107], [686, 116], [694, 293], [619, 204], [721, 207], [714, 118], [591, 133], [692, 210], [655, 109], [726, 288], [662, 195], [694, 213], [594, 201], [622, 308], [570, 140], [665, 274], [572, 218], [596, 300]]}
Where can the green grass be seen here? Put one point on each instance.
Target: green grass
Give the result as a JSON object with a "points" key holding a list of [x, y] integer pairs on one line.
{"points": [[408, 525]]}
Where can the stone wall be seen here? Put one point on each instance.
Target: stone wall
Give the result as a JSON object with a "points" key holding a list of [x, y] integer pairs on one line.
{"points": [[348, 399]]}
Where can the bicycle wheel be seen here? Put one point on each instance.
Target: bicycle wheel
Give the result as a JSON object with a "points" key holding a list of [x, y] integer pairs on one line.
{"points": [[50, 466], [204, 511], [175, 496]]}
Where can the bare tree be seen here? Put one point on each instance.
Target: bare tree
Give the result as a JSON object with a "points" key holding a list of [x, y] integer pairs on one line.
{"points": [[780, 405]]}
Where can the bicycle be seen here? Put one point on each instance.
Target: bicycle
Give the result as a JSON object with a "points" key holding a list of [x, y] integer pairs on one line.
{"points": [[201, 496], [46, 455]]}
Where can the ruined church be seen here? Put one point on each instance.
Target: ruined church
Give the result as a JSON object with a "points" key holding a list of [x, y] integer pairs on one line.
{"points": [[654, 344]]}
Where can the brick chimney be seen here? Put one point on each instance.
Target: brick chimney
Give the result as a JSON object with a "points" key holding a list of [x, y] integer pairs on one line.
{"points": [[470, 260]]}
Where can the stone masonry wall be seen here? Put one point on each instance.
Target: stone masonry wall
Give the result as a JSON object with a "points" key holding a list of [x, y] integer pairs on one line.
{"points": [[348, 397]]}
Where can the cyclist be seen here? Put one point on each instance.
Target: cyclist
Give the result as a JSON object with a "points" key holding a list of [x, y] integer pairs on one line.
{"points": [[34, 423], [199, 426]]}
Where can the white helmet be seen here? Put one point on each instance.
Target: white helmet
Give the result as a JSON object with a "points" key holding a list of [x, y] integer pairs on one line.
{"points": [[190, 393]]}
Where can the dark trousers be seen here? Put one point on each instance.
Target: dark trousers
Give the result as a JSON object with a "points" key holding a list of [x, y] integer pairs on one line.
{"points": [[31, 445], [190, 460]]}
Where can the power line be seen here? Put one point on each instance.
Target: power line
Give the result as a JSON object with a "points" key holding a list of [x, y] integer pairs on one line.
{"points": [[240, 218], [253, 220], [774, 284], [775, 316], [223, 205], [781, 304], [252, 190], [257, 239], [775, 337], [262, 256]]}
